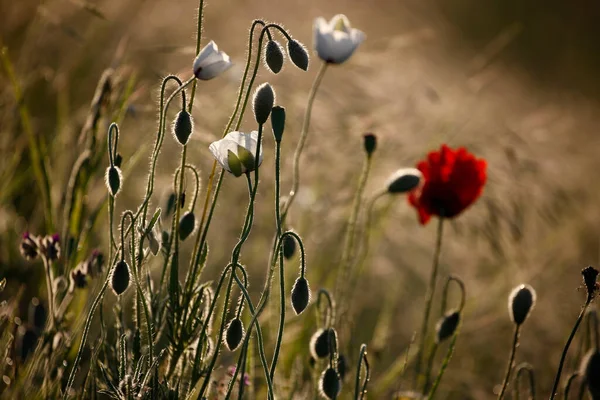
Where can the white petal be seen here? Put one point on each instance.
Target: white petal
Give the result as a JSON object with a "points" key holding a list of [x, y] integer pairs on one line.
{"points": [[340, 22], [216, 150], [210, 71], [208, 50]]}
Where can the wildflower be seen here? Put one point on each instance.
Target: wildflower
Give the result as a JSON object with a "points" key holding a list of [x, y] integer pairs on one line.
{"points": [[335, 41], [50, 247], [520, 303], [77, 278], [298, 54], [300, 295], [274, 56], [94, 263], [453, 180], [330, 383], [246, 377], [211, 62], [404, 180], [262, 103], [29, 246], [119, 281], [236, 152]]}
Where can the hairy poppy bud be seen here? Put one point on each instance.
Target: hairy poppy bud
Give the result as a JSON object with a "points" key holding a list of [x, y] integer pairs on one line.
{"points": [[370, 143], [274, 56], [298, 54], [447, 326], [520, 303], [300, 295], [262, 103], [589, 278], [113, 180], [119, 281], [278, 122], [37, 314], [234, 334], [187, 224], [50, 247], [183, 127], [118, 160], [289, 247], [29, 246], [319, 344], [330, 383], [404, 180], [590, 370], [171, 204]]}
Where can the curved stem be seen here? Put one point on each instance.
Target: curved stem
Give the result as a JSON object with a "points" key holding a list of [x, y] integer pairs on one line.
{"points": [[524, 367], [429, 298], [573, 376], [463, 293], [511, 361], [566, 349], [362, 358]]}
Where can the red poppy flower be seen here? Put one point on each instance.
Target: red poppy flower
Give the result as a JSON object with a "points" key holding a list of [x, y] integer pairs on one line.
{"points": [[453, 180]]}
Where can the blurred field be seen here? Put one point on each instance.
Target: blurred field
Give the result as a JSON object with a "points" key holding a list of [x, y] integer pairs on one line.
{"points": [[515, 82]]}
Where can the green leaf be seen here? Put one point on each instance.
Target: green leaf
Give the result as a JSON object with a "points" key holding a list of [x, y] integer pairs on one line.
{"points": [[235, 166], [246, 158], [154, 219]]}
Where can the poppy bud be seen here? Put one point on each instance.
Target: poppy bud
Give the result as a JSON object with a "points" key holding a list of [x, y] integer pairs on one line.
{"points": [[118, 160], [183, 127], [342, 366], [234, 334], [370, 143], [165, 237], [319, 344], [330, 383], [589, 278], [50, 247], [446, 326], [37, 314], [590, 370], [520, 303], [171, 203], [298, 54], [300, 295], [404, 180], [274, 56], [187, 224], [113, 180], [29, 246], [262, 103], [289, 247], [278, 122], [120, 278]]}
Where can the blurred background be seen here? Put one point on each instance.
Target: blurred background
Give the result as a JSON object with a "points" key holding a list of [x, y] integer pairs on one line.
{"points": [[515, 82]]}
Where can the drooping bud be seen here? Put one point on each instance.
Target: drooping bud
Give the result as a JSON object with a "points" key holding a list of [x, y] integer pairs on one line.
{"points": [[29, 246], [590, 370], [183, 126], [298, 54], [446, 326], [319, 344], [404, 180], [330, 383], [590, 274], [520, 303], [370, 143], [289, 247], [300, 295], [171, 204], [262, 103], [274, 56], [119, 281], [37, 314], [278, 122], [187, 224], [113, 180], [118, 160], [234, 334], [50, 247]]}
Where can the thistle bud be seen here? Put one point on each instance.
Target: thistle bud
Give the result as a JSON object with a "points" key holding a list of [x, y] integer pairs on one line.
{"points": [[234, 334], [77, 279], [50, 247], [589, 278], [278, 122], [29, 246], [289, 247], [590, 370], [187, 224], [520, 303], [36, 314], [119, 280], [319, 344], [95, 263], [274, 56], [446, 326], [300, 295], [298, 54], [113, 180], [262, 103], [330, 383], [183, 127], [404, 180], [370, 143]]}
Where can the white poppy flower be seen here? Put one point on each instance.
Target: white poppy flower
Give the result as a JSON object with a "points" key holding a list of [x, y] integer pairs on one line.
{"points": [[236, 152], [211, 62], [335, 41]]}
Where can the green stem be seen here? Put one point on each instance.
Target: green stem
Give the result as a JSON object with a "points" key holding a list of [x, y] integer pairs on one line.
{"points": [[359, 392], [429, 298], [430, 367], [445, 363], [198, 41], [511, 361], [566, 349], [50, 290]]}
